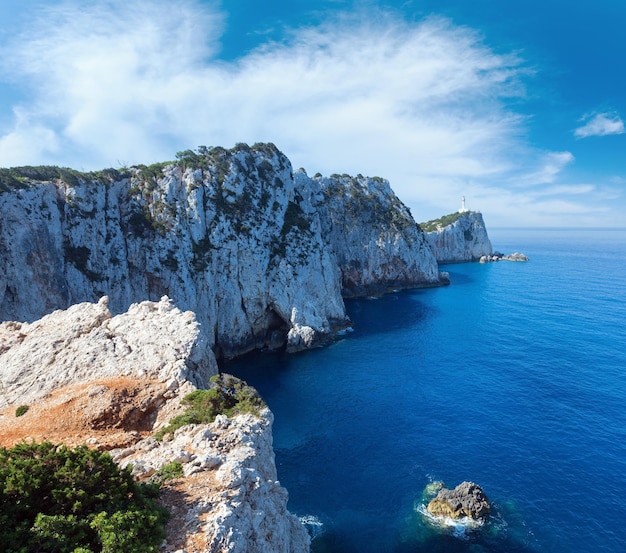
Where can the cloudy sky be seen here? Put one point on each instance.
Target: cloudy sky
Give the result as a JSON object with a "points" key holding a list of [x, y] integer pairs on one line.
{"points": [[518, 106]]}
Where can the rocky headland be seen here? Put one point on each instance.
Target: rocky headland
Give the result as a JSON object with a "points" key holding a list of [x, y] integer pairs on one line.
{"points": [[85, 376], [458, 237]]}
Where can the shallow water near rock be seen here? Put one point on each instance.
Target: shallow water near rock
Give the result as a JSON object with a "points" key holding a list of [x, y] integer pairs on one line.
{"points": [[513, 377]]}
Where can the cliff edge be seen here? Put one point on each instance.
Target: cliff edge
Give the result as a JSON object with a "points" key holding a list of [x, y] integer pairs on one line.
{"points": [[458, 237], [85, 376]]}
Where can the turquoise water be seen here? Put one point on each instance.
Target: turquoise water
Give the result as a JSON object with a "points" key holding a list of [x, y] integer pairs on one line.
{"points": [[513, 377]]}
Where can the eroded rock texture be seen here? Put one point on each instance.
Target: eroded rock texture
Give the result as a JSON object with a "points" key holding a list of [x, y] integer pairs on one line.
{"points": [[260, 255]]}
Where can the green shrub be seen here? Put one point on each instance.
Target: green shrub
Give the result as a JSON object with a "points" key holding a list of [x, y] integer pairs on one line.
{"points": [[62, 500], [434, 224], [21, 410], [168, 472], [228, 396]]}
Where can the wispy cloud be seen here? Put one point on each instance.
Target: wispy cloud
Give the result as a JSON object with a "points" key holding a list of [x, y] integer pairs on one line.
{"points": [[600, 124], [422, 104], [131, 80], [546, 169]]}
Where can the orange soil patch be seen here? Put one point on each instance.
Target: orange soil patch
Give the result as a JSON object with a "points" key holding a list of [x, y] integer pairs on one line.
{"points": [[107, 413]]}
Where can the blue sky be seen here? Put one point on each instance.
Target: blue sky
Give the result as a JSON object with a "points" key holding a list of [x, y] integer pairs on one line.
{"points": [[518, 106]]}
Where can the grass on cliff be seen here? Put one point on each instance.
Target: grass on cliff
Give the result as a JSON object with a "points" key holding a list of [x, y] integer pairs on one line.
{"points": [[434, 224], [62, 500], [227, 396]]}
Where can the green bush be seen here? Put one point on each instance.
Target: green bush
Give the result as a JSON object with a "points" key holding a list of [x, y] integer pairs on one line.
{"points": [[21, 410], [228, 396], [55, 499], [434, 224], [168, 472]]}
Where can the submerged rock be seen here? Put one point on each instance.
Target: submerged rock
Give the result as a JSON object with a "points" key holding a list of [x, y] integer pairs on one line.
{"points": [[466, 500]]}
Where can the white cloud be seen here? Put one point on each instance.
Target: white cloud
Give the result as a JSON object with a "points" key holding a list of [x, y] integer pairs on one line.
{"points": [[566, 190], [422, 104], [549, 167], [600, 124], [139, 81]]}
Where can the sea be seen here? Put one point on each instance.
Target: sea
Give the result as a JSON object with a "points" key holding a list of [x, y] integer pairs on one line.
{"points": [[513, 377]]}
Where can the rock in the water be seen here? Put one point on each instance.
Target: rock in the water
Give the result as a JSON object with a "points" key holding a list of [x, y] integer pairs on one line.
{"points": [[466, 500], [497, 256]]}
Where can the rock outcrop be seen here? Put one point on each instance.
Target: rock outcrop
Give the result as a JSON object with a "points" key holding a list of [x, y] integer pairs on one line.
{"points": [[466, 500], [377, 243], [111, 381], [497, 256], [229, 498], [458, 237], [151, 341], [258, 254]]}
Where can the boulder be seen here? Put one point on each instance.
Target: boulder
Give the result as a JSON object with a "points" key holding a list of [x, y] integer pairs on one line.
{"points": [[466, 500]]}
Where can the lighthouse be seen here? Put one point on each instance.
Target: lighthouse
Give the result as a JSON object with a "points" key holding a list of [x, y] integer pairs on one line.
{"points": [[463, 208]]}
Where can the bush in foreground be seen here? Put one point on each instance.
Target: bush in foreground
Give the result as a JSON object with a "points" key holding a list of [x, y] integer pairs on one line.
{"points": [[55, 499]]}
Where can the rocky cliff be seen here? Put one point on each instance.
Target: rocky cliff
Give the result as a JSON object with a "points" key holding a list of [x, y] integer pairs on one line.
{"points": [[111, 381], [378, 245], [458, 237], [260, 255]]}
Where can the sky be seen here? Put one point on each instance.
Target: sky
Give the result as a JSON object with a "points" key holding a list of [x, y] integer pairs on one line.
{"points": [[517, 106]]}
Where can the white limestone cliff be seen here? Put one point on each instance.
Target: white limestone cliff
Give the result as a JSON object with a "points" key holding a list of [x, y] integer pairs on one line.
{"points": [[377, 243], [458, 237], [79, 372], [151, 341], [258, 255]]}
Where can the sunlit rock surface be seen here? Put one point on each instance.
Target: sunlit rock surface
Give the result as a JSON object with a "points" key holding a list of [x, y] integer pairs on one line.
{"points": [[260, 255], [465, 238]]}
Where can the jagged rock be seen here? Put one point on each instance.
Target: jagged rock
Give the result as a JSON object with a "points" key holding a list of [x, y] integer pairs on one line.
{"points": [[230, 497], [110, 382], [258, 254], [497, 256], [152, 341], [466, 500], [465, 239]]}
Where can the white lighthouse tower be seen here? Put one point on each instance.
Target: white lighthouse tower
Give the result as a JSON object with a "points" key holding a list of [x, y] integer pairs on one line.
{"points": [[463, 208]]}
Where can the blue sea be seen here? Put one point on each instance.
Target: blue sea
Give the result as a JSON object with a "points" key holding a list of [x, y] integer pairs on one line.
{"points": [[513, 377]]}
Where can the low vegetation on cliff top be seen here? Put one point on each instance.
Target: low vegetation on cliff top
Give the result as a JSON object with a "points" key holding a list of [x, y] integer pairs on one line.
{"points": [[228, 396], [435, 224], [55, 499]]}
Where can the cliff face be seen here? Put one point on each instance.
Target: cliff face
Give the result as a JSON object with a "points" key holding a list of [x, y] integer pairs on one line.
{"points": [[377, 243], [463, 239], [111, 381], [258, 255]]}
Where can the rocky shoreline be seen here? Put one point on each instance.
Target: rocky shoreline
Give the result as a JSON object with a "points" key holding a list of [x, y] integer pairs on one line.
{"points": [[111, 382]]}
